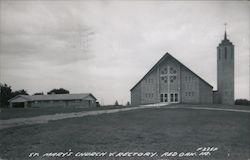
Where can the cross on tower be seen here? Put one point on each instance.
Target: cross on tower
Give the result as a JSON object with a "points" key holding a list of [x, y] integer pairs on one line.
{"points": [[225, 24], [225, 36]]}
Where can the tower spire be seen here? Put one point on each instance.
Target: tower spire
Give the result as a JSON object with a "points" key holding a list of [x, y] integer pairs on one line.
{"points": [[225, 35]]}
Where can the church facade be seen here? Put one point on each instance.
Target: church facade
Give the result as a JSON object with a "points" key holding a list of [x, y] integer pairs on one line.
{"points": [[170, 81]]}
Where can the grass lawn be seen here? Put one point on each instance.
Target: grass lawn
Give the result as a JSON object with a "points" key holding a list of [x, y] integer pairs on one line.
{"points": [[147, 130], [8, 113]]}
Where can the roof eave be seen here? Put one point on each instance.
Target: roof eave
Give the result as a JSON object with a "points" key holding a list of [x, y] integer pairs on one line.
{"points": [[20, 95]]}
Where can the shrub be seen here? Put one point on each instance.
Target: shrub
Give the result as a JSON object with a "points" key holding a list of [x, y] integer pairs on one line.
{"points": [[242, 102]]}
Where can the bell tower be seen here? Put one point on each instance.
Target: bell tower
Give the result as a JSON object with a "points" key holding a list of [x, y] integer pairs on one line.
{"points": [[225, 71]]}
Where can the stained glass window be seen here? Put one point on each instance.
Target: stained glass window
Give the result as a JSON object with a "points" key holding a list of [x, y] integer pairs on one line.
{"points": [[165, 79], [171, 70], [172, 78]]}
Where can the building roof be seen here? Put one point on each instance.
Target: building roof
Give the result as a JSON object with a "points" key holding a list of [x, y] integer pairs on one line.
{"points": [[167, 55], [54, 97]]}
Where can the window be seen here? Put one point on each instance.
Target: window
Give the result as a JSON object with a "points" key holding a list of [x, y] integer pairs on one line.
{"points": [[149, 95], [166, 97], [161, 97], [172, 70], [172, 78], [171, 97], [176, 97], [149, 80], [165, 70], [165, 79]]}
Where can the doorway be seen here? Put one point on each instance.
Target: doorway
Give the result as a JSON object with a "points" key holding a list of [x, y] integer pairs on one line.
{"points": [[171, 98], [164, 97]]}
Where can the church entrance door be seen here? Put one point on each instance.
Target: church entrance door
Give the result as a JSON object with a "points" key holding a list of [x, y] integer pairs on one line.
{"points": [[169, 98], [174, 98], [169, 75], [164, 97]]}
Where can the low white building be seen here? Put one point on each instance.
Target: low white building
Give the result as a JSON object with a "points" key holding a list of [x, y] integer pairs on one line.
{"points": [[51, 100]]}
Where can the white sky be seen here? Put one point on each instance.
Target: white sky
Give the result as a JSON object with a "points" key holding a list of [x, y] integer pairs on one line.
{"points": [[106, 47]]}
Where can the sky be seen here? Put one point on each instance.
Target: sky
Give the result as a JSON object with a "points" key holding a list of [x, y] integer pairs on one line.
{"points": [[106, 47]]}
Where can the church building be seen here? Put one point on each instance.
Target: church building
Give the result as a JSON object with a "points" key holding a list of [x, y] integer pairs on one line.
{"points": [[170, 81]]}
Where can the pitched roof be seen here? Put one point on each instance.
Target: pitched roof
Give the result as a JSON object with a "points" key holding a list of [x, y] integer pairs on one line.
{"points": [[54, 97], [167, 55]]}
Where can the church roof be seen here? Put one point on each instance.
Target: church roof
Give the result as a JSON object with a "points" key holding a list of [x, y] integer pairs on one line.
{"points": [[166, 56]]}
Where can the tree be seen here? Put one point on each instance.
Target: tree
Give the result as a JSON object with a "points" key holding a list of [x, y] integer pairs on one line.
{"points": [[58, 91], [39, 93], [5, 94], [19, 92], [242, 102], [116, 103]]}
